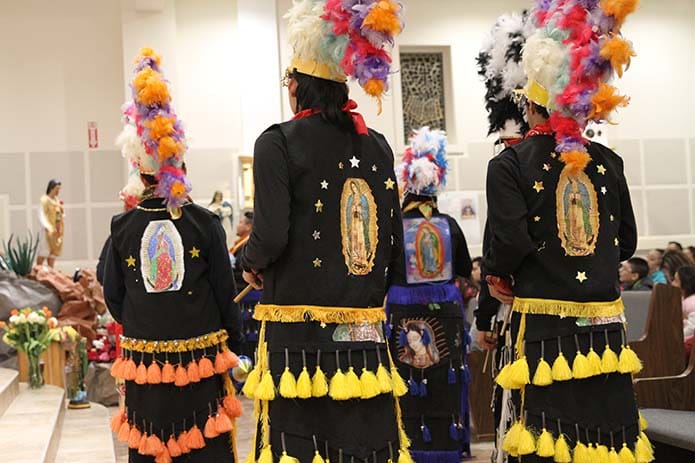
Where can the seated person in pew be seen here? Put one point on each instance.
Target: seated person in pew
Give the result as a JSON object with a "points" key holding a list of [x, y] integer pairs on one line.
{"points": [[634, 275]]}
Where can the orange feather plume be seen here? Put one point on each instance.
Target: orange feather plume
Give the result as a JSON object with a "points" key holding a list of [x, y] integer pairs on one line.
{"points": [[575, 161], [383, 18], [142, 77], [619, 52], [150, 53], [154, 92], [160, 127], [605, 100], [168, 148], [619, 9]]}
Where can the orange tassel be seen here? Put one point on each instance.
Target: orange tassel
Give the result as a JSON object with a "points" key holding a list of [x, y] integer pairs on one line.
{"points": [[117, 368], [168, 375], [605, 100], [173, 447], [117, 420], [222, 423], [124, 432], [576, 161], [129, 370], [141, 374], [154, 373], [210, 430], [619, 52], [134, 437], [195, 438], [183, 443], [142, 446], [230, 358], [233, 406], [163, 457], [154, 445], [181, 378], [220, 364], [206, 368], [193, 372]]}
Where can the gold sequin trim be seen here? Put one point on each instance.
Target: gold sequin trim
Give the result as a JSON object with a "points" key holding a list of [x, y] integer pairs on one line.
{"points": [[175, 345], [302, 313]]}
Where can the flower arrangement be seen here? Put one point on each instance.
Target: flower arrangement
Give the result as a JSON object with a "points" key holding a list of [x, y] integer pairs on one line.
{"points": [[31, 331], [104, 346]]}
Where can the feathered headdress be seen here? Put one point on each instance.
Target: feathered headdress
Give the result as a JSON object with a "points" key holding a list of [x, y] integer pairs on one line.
{"points": [[153, 137], [133, 151], [337, 39], [424, 165], [570, 61], [499, 63]]}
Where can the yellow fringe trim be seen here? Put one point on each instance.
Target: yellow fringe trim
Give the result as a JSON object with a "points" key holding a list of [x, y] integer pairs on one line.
{"points": [[303, 313], [175, 345], [568, 308]]}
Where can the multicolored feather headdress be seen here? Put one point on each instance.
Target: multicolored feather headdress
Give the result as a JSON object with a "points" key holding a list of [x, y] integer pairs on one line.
{"points": [[570, 61], [133, 151], [337, 39], [499, 63], [424, 165], [153, 137]]}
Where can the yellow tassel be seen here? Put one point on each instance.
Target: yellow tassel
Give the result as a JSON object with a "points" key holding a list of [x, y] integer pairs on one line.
{"points": [[603, 454], [543, 375], [561, 369], [317, 458], [520, 372], [399, 387], [581, 454], [252, 381], [626, 455], [382, 375], [354, 386], [370, 384], [527, 443], [319, 384], [562, 450], [403, 438], [504, 378], [580, 366], [338, 389], [609, 361], [594, 362], [284, 458], [404, 456], [643, 423], [266, 455], [629, 362], [546, 444], [613, 456], [593, 453], [266, 388], [644, 453], [304, 385], [288, 384], [510, 444]]}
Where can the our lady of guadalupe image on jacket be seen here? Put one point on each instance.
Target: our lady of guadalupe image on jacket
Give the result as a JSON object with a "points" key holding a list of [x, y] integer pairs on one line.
{"points": [[358, 226], [161, 254], [577, 214], [427, 249]]}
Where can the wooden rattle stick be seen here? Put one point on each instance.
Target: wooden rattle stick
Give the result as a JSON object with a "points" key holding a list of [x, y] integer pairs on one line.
{"points": [[243, 294]]}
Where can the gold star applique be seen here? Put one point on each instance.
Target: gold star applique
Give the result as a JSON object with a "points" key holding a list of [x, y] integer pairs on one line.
{"points": [[195, 252], [319, 206], [617, 242], [553, 155], [601, 169], [538, 186], [536, 219], [341, 166], [317, 263], [130, 261], [581, 277], [546, 167], [389, 184]]}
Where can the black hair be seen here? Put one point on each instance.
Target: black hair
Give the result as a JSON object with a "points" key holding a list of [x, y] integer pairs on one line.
{"points": [[217, 192], [678, 245], [248, 215], [52, 184], [478, 259], [672, 262], [639, 266], [326, 96], [687, 277], [542, 111], [148, 179]]}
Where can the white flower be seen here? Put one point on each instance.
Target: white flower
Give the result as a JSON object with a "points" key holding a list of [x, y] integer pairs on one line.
{"points": [[14, 319], [53, 321], [98, 344], [21, 318], [34, 317]]}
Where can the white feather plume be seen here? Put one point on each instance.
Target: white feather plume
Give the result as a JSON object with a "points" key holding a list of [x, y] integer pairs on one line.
{"points": [[304, 28], [423, 174], [543, 60]]}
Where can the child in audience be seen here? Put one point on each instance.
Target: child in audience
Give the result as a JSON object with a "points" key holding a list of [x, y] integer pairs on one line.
{"points": [[672, 262]]}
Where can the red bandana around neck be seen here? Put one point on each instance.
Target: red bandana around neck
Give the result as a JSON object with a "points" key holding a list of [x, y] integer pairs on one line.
{"points": [[357, 118], [540, 129]]}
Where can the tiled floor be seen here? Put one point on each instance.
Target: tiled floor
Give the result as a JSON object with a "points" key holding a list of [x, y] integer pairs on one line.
{"points": [[481, 451]]}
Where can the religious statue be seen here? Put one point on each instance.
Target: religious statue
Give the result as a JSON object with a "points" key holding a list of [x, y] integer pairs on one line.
{"points": [[51, 216], [224, 210]]}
